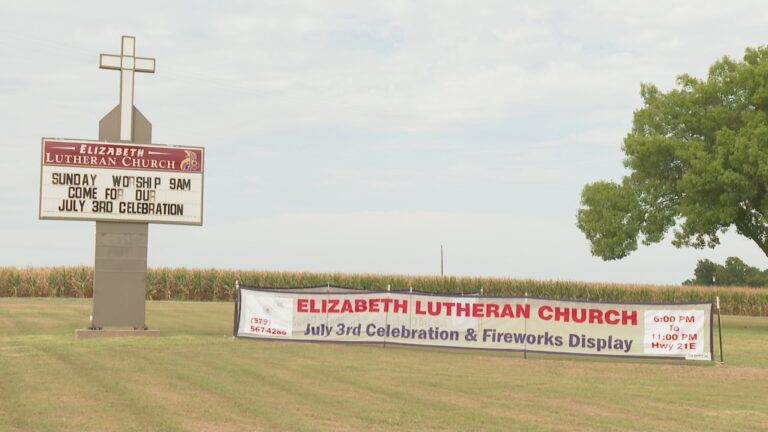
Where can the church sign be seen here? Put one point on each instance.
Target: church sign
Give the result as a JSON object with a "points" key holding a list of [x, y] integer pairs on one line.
{"points": [[121, 182]]}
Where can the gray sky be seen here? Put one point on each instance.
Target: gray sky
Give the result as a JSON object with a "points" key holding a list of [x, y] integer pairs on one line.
{"points": [[360, 136]]}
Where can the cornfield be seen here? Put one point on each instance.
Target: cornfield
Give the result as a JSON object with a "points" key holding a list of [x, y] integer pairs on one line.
{"points": [[219, 285]]}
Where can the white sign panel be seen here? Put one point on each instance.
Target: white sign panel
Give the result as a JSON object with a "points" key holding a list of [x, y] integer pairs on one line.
{"points": [[676, 332], [121, 182]]}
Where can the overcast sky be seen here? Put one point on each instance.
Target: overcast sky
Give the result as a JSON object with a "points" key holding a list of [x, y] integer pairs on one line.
{"points": [[359, 136]]}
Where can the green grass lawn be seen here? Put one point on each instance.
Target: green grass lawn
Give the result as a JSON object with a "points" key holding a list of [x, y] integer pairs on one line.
{"points": [[196, 377]]}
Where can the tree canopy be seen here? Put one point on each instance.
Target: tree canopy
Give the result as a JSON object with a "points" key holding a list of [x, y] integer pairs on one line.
{"points": [[735, 272], [697, 157]]}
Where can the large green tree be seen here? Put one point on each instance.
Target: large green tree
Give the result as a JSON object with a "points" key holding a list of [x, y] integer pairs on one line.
{"points": [[698, 165]]}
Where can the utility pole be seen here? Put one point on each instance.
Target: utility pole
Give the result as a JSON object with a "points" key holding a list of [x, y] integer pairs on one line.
{"points": [[441, 261]]}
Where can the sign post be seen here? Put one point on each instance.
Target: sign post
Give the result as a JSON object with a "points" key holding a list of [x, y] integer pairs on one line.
{"points": [[123, 182]]}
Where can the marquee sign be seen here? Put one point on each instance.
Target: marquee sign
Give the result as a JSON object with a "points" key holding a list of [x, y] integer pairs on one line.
{"points": [[665, 331], [121, 182]]}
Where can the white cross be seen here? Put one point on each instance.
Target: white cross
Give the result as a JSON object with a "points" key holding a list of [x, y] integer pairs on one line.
{"points": [[127, 63]]}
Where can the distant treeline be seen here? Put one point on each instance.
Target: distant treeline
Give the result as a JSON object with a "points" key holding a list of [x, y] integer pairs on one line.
{"points": [[219, 285], [735, 272]]}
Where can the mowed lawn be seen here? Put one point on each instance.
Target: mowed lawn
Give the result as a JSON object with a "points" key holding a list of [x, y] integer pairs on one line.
{"points": [[196, 377]]}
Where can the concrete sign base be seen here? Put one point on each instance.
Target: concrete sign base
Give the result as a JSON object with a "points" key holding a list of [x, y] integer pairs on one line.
{"points": [[92, 334]]}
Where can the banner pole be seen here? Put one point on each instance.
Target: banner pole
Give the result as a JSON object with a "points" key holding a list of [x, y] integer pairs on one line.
{"points": [[525, 330], [720, 330], [410, 309], [386, 316], [327, 297], [237, 309]]}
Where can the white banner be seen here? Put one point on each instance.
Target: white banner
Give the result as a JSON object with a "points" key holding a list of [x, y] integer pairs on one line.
{"points": [[668, 331]]}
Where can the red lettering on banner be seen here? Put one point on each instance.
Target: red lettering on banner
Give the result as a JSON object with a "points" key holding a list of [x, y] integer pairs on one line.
{"points": [[312, 307], [474, 310], [591, 316], [386, 302], [629, 316], [545, 313], [401, 306], [492, 310], [477, 309], [595, 316], [609, 314], [332, 307], [301, 305], [507, 311], [360, 305], [579, 315], [419, 310], [346, 306], [435, 310], [448, 307]]}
